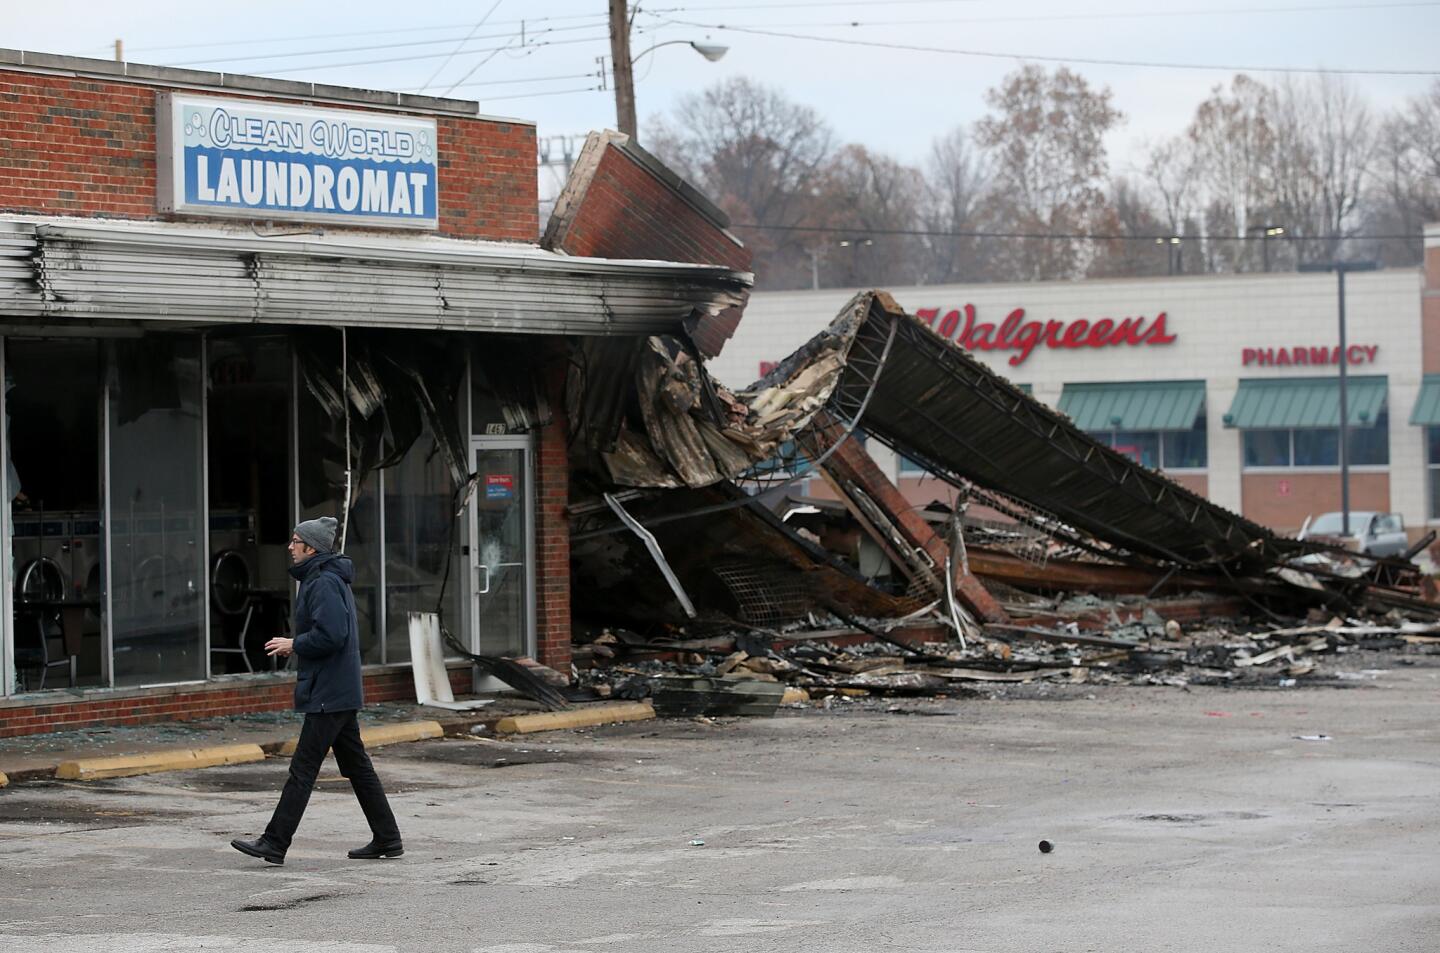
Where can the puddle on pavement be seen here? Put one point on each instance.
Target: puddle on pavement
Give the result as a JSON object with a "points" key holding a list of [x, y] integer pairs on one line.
{"points": [[1214, 817]]}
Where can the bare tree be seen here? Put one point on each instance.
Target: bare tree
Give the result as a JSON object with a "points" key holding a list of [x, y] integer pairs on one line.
{"points": [[1233, 141], [957, 177], [1323, 150], [1141, 247], [865, 199], [757, 154], [1045, 138], [1170, 171], [1404, 185]]}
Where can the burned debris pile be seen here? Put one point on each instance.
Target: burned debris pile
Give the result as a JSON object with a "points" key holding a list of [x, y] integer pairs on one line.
{"points": [[697, 551]]}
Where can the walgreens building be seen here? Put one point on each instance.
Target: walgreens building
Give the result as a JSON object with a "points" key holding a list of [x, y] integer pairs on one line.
{"points": [[1229, 384]]}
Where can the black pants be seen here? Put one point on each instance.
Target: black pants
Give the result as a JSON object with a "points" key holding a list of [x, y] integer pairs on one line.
{"points": [[323, 731]]}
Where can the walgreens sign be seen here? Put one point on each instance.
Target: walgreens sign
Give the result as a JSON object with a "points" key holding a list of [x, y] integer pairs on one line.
{"points": [[1023, 336]]}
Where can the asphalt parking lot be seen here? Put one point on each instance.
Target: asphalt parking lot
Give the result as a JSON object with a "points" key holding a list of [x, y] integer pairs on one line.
{"points": [[1197, 820]]}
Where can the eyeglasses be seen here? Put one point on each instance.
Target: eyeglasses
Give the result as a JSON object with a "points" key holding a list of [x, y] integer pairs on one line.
{"points": [[296, 539]]}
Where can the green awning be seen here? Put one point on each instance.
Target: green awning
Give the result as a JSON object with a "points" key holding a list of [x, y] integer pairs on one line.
{"points": [[1285, 403], [1427, 405], [1136, 405]]}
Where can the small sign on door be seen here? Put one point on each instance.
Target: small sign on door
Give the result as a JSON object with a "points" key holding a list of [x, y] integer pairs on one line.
{"points": [[499, 486]]}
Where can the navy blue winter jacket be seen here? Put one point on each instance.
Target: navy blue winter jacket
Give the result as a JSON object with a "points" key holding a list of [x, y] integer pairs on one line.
{"points": [[327, 640]]}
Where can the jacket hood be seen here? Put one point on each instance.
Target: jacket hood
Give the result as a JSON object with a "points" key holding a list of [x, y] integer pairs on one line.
{"points": [[325, 562]]}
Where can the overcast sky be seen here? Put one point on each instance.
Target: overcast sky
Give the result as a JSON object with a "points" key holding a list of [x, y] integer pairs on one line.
{"points": [[895, 100]]}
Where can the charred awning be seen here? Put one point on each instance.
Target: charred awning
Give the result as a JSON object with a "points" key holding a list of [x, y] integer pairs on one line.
{"points": [[76, 271], [928, 399]]}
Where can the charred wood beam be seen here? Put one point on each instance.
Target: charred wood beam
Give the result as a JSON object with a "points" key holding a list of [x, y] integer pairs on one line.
{"points": [[1045, 635], [848, 463]]}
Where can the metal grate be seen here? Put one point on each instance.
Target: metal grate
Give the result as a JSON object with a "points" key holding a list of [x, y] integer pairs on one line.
{"points": [[765, 595]]}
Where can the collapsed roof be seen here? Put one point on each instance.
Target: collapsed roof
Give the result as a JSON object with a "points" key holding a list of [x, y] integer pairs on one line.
{"points": [[926, 398]]}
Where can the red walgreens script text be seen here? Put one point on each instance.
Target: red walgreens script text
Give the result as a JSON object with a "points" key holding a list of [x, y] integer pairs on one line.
{"points": [[1017, 334]]}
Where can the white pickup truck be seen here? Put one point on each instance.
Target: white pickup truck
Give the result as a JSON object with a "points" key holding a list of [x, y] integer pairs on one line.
{"points": [[1371, 533]]}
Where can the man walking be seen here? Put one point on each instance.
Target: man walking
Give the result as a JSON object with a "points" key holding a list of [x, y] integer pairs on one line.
{"points": [[328, 692]]}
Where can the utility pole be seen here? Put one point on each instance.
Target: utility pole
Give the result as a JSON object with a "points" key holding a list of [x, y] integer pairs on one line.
{"points": [[620, 64], [1341, 268]]}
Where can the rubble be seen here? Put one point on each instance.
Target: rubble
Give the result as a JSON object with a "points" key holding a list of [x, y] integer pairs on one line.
{"points": [[833, 661], [1056, 559]]}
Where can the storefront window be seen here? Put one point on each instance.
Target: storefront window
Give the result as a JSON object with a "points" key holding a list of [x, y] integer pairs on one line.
{"points": [[1160, 449], [1141, 446], [1319, 446], [1432, 461], [1370, 446], [53, 465], [322, 491], [1186, 449], [1267, 448], [422, 544], [157, 531], [250, 501]]}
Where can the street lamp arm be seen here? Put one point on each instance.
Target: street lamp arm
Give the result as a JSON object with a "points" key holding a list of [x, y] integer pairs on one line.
{"points": [[641, 56], [711, 51]]}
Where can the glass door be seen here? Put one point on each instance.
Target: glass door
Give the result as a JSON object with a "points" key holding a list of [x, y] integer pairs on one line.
{"points": [[501, 550]]}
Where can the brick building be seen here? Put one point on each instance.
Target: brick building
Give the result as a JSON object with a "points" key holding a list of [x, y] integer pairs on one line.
{"points": [[228, 303]]}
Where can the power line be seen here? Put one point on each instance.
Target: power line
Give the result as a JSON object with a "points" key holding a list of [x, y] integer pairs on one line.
{"points": [[1064, 236], [336, 36], [455, 85], [1023, 57], [478, 25], [431, 56], [553, 92], [1128, 15], [513, 82], [809, 3], [379, 46]]}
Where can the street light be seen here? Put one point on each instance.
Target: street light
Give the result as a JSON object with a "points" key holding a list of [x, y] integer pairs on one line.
{"points": [[711, 51], [1266, 233], [1341, 268], [1173, 251], [623, 65], [855, 243]]}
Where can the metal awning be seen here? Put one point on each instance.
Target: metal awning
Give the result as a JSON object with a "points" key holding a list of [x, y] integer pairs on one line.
{"points": [[1134, 405], [1300, 402], [1427, 404], [78, 270]]}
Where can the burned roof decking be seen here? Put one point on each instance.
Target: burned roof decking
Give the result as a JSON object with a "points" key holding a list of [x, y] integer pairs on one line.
{"points": [[937, 405]]}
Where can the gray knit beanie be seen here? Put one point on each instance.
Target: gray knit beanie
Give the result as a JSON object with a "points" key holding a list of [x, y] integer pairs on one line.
{"points": [[319, 534]]}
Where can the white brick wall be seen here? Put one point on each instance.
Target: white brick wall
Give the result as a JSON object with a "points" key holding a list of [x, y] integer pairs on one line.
{"points": [[1212, 317]]}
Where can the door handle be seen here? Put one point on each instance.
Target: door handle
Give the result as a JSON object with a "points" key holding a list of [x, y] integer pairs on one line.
{"points": [[486, 590]]}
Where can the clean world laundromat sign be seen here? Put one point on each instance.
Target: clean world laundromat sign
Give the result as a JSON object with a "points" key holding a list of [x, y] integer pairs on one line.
{"points": [[258, 160]]}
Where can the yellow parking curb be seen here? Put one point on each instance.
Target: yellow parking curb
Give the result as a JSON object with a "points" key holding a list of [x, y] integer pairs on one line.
{"points": [[179, 759], [578, 718], [378, 735]]}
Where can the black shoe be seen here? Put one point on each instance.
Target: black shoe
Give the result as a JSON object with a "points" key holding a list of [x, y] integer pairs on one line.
{"points": [[260, 847], [375, 850]]}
